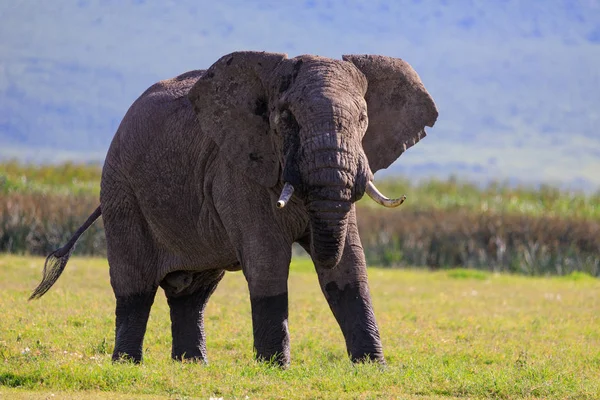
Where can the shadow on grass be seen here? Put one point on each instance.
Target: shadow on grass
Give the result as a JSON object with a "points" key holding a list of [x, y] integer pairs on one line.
{"points": [[15, 380], [463, 273]]}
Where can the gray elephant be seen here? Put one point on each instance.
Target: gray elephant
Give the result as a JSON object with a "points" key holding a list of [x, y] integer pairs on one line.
{"points": [[224, 169]]}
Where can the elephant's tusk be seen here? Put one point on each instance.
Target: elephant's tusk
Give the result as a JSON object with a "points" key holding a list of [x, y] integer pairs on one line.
{"points": [[381, 199], [286, 194]]}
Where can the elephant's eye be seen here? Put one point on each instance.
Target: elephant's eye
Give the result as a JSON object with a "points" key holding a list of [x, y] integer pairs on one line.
{"points": [[363, 122], [286, 115], [286, 121], [282, 117], [362, 117], [288, 118]]}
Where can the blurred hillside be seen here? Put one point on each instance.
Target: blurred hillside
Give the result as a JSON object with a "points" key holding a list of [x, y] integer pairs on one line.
{"points": [[517, 83]]}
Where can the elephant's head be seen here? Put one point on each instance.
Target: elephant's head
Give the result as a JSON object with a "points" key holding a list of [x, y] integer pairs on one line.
{"points": [[304, 121]]}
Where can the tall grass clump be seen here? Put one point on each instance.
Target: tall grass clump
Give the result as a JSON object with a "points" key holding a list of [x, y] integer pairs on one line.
{"points": [[517, 243], [37, 223]]}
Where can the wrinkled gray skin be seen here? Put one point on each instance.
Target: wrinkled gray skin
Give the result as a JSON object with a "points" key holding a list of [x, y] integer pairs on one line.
{"points": [[193, 173]]}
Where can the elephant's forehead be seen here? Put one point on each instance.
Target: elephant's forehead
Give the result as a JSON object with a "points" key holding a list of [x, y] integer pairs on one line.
{"points": [[314, 69], [311, 58], [317, 63]]}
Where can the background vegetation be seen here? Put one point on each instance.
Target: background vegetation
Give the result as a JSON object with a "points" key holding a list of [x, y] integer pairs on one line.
{"points": [[452, 333], [442, 224]]}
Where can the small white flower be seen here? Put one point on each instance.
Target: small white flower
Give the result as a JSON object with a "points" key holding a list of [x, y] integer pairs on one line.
{"points": [[26, 350]]}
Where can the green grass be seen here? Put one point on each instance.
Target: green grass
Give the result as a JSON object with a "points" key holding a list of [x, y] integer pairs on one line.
{"points": [[481, 335], [462, 273], [67, 178]]}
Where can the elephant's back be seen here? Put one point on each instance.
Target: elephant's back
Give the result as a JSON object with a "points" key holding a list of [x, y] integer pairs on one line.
{"points": [[161, 122], [176, 87]]}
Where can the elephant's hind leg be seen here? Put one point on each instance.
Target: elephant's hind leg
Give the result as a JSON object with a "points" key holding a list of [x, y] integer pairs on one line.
{"points": [[133, 261], [131, 319], [187, 294]]}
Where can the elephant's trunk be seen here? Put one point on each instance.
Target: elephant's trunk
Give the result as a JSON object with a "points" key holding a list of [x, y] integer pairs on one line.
{"points": [[330, 179]]}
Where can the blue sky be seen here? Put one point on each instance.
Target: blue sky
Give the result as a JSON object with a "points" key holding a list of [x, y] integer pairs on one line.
{"points": [[517, 82]]}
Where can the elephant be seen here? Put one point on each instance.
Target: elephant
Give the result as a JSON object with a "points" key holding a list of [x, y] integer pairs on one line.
{"points": [[225, 169]]}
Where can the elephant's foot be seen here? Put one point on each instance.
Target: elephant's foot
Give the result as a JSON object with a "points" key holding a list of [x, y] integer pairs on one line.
{"points": [[131, 319], [187, 294], [187, 329], [270, 326]]}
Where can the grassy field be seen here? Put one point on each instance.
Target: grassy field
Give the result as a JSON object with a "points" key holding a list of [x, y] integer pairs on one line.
{"points": [[456, 333]]}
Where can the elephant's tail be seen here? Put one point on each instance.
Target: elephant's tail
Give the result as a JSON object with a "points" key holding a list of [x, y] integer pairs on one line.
{"points": [[57, 260]]}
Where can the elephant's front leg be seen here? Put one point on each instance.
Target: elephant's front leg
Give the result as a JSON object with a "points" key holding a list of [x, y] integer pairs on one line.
{"points": [[262, 239], [267, 283], [347, 291]]}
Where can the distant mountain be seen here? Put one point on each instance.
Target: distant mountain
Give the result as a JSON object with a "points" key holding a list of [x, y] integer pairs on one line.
{"points": [[517, 83]]}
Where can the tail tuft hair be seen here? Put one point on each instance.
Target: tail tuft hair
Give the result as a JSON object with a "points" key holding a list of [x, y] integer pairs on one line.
{"points": [[54, 266], [57, 260]]}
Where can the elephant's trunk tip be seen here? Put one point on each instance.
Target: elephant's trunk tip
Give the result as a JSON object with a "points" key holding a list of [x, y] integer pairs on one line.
{"points": [[286, 195]]}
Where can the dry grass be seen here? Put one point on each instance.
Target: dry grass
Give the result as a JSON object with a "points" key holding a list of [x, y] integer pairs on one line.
{"points": [[36, 223]]}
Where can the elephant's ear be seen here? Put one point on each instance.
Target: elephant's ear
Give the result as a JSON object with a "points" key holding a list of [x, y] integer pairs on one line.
{"points": [[230, 101], [398, 107]]}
